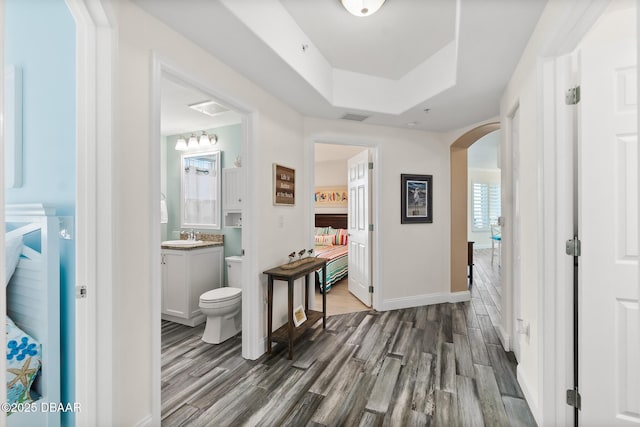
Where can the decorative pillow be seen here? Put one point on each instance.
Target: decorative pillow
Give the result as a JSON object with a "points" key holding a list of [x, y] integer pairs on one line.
{"points": [[333, 232], [13, 251], [23, 363], [325, 240], [342, 237], [321, 231]]}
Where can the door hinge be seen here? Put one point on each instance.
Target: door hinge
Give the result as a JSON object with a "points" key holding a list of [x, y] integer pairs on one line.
{"points": [[371, 289], [370, 165], [370, 227], [573, 247], [81, 292], [573, 398], [572, 97]]}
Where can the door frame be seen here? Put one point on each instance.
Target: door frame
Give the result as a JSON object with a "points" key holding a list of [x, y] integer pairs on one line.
{"points": [[374, 214], [555, 157], [251, 296], [95, 268], [513, 230]]}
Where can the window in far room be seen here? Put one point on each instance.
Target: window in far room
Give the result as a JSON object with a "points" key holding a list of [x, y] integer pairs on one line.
{"points": [[486, 205]]}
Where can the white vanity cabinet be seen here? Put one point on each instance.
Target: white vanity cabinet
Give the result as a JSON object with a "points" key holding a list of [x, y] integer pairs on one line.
{"points": [[187, 274], [232, 197]]}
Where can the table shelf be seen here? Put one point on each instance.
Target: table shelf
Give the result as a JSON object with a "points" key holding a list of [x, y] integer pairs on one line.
{"points": [[288, 333], [282, 333]]}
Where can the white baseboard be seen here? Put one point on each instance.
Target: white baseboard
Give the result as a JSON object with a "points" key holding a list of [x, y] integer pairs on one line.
{"points": [[426, 299], [531, 399], [145, 422], [504, 338]]}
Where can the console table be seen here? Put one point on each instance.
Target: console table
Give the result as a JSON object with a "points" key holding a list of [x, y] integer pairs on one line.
{"points": [[289, 332]]}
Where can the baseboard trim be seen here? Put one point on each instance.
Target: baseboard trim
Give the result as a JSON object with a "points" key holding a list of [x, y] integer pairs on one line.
{"points": [[504, 338], [145, 422], [425, 299], [532, 401]]}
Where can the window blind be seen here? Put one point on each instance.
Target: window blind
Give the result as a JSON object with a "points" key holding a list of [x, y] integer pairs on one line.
{"points": [[485, 205]]}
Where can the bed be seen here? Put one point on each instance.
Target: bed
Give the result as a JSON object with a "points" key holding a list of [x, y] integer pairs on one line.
{"points": [[331, 243], [33, 314]]}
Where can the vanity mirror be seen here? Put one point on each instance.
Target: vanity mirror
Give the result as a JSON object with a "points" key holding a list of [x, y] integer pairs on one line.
{"points": [[200, 201]]}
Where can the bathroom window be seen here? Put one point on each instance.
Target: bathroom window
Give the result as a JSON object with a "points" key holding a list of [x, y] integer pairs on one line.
{"points": [[200, 205]]}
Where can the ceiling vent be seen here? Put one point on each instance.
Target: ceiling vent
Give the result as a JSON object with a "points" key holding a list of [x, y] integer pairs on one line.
{"points": [[209, 108], [354, 117]]}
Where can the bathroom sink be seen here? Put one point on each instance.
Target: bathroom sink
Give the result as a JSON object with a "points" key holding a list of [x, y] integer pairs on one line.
{"points": [[185, 243]]}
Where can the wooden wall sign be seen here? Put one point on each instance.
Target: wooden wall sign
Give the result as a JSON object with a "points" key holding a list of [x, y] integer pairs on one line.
{"points": [[284, 185]]}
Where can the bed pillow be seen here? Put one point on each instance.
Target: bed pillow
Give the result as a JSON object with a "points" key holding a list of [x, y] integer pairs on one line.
{"points": [[342, 238], [333, 232], [23, 363], [321, 231], [14, 248], [325, 240]]}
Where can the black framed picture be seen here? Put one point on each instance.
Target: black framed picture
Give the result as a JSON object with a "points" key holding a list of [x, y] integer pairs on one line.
{"points": [[417, 197]]}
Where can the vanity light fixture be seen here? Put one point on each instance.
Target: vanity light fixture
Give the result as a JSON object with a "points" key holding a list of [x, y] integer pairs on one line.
{"points": [[193, 142], [203, 140], [362, 7], [181, 144]]}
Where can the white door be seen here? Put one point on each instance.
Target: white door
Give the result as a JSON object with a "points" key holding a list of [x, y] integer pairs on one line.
{"points": [[359, 234], [609, 333]]}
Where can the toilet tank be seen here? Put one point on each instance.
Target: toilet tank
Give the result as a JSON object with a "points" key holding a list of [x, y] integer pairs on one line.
{"points": [[234, 271]]}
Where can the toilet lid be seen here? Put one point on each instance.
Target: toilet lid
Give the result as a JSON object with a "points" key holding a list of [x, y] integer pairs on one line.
{"points": [[220, 294]]}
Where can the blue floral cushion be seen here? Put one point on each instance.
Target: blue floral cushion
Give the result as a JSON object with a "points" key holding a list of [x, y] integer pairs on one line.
{"points": [[24, 360]]}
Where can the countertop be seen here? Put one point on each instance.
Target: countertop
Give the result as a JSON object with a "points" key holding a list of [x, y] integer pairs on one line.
{"points": [[189, 246]]}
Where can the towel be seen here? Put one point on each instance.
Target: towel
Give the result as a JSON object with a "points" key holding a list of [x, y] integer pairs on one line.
{"points": [[164, 214]]}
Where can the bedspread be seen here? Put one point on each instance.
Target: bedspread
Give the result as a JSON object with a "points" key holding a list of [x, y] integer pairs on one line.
{"points": [[337, 263]]}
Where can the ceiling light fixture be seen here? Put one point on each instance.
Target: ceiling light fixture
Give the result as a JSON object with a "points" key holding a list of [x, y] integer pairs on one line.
{"points": [[181, 144], [362, 7]]}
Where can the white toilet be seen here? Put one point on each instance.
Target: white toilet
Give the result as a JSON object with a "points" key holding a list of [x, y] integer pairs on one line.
{"points": [[223, 306]]}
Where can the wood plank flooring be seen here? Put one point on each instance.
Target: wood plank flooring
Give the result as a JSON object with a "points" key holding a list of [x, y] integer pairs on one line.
{"points": [[340, 300], [438, 365]]}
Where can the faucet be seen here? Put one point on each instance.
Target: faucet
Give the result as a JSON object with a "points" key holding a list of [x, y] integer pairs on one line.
{"points": [[191, 235]]}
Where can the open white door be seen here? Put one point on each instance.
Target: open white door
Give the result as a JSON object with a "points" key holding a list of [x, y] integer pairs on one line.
{"points": [[609, 333], [359, 234]]}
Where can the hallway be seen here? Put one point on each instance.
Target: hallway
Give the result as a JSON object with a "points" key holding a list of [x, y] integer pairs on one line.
{"points": [[431, 365]]}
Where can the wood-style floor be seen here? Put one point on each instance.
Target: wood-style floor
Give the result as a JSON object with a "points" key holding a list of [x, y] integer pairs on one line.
{"points": [[340, 300], [440, 365]]}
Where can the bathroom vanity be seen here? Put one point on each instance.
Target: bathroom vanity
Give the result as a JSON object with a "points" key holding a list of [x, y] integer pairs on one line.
{"points": [[189, 269]]}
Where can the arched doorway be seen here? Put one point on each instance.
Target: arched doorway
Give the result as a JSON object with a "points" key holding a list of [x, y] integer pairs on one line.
{"points": [[459, 208]]}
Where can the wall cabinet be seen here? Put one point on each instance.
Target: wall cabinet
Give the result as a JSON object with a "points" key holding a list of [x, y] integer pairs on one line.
{"points": [[187, 274], [232, 197]]}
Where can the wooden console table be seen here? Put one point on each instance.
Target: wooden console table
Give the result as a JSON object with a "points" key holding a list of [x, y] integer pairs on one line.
{"points": [[470, 261], [289, 332]]}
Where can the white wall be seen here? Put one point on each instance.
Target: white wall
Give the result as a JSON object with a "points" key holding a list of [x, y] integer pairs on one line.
{"points": [[278, 138], [331, 174], [414, 258]]}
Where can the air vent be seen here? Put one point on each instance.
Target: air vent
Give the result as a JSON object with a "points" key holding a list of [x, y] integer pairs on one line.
{"points": [[209, 108], [354, 117]]}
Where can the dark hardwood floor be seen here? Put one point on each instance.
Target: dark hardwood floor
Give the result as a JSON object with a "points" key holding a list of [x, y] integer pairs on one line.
{"points": [[439, 365]]}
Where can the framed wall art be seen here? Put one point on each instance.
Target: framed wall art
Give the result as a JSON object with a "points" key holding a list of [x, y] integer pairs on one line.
{"points": [[284, 185], [417, 199], [331, 197]]}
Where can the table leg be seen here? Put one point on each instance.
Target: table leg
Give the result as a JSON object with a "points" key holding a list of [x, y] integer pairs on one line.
{"points": [[291, 325], [269, 313], [306, 292], [324, 297]]}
